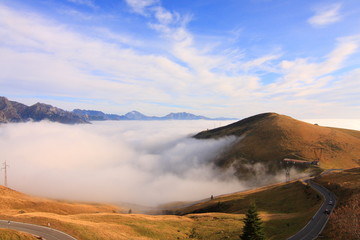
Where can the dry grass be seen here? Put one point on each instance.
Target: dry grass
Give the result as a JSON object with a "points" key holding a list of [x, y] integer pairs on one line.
{"points": [[346, 185], [7, 234], [276, 198], [285, 208], [13, 202], [136, 226]]}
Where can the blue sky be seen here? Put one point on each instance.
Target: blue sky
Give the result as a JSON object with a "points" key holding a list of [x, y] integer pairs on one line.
{"points": [[216, 58]]}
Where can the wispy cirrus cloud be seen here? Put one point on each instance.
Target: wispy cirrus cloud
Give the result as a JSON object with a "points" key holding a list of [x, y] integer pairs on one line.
{"points": [[303, 77], [222, 73], [141, 6], [304, 71], [88, 3], [326, 15]]}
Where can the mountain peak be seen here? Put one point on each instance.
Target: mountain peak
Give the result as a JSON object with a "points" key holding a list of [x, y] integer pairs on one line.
{"points": [[183, 115], [268, 138], [135, 115], [11, 111], [133, 112]]}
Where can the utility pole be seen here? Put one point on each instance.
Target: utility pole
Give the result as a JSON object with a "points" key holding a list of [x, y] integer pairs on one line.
{"points": [[5, 171], [287, 174], [287, 171]]}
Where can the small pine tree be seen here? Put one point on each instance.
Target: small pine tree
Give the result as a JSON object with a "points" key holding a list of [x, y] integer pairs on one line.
{"points": [[253, 229]]}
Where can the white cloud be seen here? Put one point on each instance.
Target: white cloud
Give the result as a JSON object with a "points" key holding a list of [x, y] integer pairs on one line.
{"points": [[55, 60], [58, 61], [140, 6], [163, 16], [119, 38], [139, 162], [77, 14], [259, 62], [302, 72], [326, 15], [88, 3], [143, 162]]}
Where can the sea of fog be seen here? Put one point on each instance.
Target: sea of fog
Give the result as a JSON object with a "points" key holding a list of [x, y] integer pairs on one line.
{"points": [[142, 162]]}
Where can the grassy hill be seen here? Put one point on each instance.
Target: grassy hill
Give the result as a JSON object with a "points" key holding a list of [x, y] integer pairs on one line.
{"points": [[13, 202], [269, 137], [285, 208]]}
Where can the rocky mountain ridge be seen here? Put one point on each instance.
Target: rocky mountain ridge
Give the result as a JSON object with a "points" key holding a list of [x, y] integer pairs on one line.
{"points": [[11, 111]]}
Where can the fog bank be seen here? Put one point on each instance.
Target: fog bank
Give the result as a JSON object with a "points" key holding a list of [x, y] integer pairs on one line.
{"points": [[142, 162], [138, 162]]}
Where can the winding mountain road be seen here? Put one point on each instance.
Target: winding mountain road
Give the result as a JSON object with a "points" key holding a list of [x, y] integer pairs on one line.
{"points": [[315, 226], [40, 231]]}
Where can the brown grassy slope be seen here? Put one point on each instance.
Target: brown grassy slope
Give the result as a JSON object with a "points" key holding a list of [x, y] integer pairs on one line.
{"points": [[270, 137], [15, 202], [271, 199], [7, 234], [96, 222], [346, 185], [285, 208], [289, 206]]}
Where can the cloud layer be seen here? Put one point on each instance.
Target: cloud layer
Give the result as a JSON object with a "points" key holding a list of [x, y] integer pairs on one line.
{"points": [[146, 162], [138, 162]]}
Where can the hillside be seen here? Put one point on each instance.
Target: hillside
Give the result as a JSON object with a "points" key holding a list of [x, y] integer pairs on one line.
{"points": [[13, 202], [95, 222], [269, 137], [344, 223], [288, 206]]}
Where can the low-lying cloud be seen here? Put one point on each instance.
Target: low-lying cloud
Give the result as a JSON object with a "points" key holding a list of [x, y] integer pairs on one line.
{"points": [[138, 162], [147, 162]]}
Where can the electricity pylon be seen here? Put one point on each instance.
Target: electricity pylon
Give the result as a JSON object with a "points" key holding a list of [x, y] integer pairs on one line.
{"points": [[5, 173]]}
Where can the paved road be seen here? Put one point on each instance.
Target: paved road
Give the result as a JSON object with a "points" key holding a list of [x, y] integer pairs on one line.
{"points": [[44, 232], [317, 223]]}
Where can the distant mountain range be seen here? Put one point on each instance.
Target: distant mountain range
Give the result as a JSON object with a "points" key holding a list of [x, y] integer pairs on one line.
{"points": [[91, 115], [11, 111]]}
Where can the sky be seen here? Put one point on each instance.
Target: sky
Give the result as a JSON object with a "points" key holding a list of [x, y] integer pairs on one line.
{"points": [[215, 58]]}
